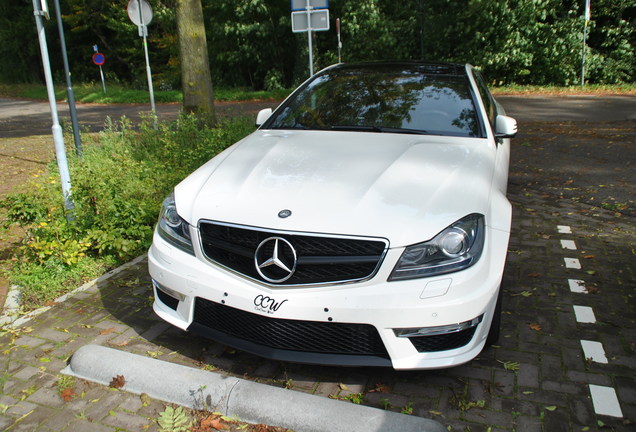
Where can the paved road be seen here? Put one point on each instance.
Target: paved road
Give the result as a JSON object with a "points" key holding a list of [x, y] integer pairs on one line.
{"points": [[566, 360], [23, 117]]}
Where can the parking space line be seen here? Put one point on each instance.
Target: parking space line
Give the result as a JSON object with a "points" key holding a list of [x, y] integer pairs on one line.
{"points": [[605, 401], [572, 263], [568, 244], [577, 286], [594, 350], [584, 314], [564, 229]]}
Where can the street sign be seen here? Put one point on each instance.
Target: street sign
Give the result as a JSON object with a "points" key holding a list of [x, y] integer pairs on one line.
{"points": [[319, 21], [99, 58], [142, 18], [301, 5]]}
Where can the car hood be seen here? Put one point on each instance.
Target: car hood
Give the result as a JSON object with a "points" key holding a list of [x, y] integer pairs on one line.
{"points": [[405, 188]]}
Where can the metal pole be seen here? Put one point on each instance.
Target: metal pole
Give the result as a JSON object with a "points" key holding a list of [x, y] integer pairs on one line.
{"points": [[101, 75], [69, 86], [308, 8], [583, 55], [144, 31], [58, 136]]}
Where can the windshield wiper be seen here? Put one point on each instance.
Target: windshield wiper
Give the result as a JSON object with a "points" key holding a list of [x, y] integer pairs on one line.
{"points": [[379, 129]]}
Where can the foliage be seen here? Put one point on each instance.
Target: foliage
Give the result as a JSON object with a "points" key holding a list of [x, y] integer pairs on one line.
{"points": [[250, 42], [174, 420], [117, 188]]}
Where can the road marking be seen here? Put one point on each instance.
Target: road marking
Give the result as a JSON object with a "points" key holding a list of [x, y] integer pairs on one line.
{"points": [[568, 244], [605, 401], [564, 229], [594, 350], [572, 263], [584, 314], [577, 286]]}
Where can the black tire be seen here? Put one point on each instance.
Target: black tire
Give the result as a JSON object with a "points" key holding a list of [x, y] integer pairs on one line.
{"points": [[495, 326]]}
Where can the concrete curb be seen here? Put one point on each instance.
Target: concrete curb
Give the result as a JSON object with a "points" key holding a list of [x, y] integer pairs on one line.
{"points": [[234, 397]]}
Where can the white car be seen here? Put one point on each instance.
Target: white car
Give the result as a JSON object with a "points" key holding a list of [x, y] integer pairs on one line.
{"points": [[365, 222]]}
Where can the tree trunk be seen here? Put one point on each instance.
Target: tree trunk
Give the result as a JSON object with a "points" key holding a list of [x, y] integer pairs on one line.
{"points": [[196, 81]]}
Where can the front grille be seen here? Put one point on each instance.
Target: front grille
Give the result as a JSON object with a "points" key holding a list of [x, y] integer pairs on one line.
{"points": [[319, 259], [292, 335], [443, 342]]}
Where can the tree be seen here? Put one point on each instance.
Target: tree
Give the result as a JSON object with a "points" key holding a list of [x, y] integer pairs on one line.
{"points": [[198, 97]]}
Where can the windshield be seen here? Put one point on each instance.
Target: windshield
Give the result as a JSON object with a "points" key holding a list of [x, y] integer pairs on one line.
{"points": [[382, 99]]}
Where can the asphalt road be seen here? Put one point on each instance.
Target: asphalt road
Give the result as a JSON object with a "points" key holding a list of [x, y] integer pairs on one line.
{"points": [[24, 117]]}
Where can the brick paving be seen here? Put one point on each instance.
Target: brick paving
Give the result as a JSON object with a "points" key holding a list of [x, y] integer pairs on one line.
{"points": [[537, 379]]}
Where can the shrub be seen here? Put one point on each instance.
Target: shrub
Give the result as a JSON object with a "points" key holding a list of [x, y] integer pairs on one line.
{"points": [[117, 188]]}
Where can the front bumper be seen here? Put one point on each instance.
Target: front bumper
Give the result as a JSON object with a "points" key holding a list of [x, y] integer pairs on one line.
{"points": [[300, 324]]}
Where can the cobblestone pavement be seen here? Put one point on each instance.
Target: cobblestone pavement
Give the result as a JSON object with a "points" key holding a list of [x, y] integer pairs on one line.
{"points": [[566, 360]]}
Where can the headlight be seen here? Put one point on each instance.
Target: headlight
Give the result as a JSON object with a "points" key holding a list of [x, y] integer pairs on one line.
{"points": [[457, 247], [172, 228]]}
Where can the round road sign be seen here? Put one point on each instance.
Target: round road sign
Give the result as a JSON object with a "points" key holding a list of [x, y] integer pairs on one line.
{"points": [[139, 15], [99, 58]]}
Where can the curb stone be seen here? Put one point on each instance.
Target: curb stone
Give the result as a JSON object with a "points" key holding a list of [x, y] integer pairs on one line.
{"points": [[234, 397]]}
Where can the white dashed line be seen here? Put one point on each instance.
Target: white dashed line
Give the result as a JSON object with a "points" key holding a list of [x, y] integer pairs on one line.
{"points": [[584, 314], [564, 229], [605, 401], [568, 244], [594, 351], [572, 263], [577, 286]]}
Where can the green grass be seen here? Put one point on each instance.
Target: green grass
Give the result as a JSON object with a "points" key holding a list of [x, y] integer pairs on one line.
{"points": [[94, 93], [599, 89], [118, 187]]}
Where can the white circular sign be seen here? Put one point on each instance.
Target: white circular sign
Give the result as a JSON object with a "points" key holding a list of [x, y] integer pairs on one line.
{"points": [[139, 16]]}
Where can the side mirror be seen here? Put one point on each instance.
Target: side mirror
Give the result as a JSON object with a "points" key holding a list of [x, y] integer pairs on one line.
{"points": [[262, 116], [505, 127]]}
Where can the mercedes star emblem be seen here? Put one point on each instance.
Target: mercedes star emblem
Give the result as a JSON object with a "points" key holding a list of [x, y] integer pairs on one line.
{"points": [[275, 259]]}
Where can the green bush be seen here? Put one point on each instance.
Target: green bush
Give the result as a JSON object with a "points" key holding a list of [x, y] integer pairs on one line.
{"points": [[117, 188]]}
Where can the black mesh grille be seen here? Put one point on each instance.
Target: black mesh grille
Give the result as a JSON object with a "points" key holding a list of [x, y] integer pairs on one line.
{"points": [[319, 259], [443, 342], [292, 335], [168, 300]]}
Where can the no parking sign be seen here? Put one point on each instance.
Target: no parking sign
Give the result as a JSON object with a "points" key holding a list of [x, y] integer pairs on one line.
{"points": [[99, 58]]}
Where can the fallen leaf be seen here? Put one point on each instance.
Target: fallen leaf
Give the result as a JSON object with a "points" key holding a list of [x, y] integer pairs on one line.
{"points": [[589, 257], [381, 388], [534, 275], [343, 386], [535, 327], [117, 382], [145, 399], [68, 394], [107, 331], [551, 408], [213, 422]]}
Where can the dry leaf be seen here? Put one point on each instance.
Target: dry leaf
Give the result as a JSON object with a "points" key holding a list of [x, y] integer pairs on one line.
{"points": [[117, 382], [68, 394], [380, 388], [534, 275], [535, 327], [213, 422], [107, 331]]}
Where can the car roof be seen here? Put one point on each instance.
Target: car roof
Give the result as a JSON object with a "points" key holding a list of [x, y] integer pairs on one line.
{"points": [[411, 66]]}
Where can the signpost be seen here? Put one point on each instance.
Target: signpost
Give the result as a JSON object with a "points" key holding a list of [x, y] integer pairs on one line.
{"points": [[308, 16], [99, 59], [140, 13], [40, 10]]}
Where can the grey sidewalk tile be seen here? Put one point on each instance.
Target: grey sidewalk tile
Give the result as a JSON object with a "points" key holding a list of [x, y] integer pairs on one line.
{"points": [[122, 419]]}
